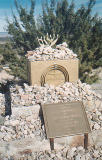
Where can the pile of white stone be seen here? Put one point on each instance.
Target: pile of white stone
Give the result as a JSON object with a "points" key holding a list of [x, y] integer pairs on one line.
{"points": [[26, 99], [45, 52], [24, 122], [30, 95], [26, 119]]}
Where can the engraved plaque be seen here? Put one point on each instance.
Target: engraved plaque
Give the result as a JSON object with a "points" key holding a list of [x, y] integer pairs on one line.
{"points": [[65, 119], [55, 77]]}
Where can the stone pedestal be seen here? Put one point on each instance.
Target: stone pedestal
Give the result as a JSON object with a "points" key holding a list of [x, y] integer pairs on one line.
{"points": [[54, 72]]}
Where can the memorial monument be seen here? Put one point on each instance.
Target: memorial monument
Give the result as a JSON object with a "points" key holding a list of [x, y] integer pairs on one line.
{"points": [[52, 65]]}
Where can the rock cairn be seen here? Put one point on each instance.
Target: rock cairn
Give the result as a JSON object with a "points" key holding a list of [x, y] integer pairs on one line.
{"points": [[22, 125], [26, 121], [45, 52], [30, 95]]}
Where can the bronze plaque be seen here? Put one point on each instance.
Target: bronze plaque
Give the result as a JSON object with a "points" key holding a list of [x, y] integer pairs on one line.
{"points": [[65, 119]]}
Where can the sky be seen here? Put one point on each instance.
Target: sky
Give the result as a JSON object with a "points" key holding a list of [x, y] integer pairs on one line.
{"points": [[6, 5]]}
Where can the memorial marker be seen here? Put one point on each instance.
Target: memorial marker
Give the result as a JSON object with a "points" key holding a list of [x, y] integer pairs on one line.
{"points": [[65, 119]]}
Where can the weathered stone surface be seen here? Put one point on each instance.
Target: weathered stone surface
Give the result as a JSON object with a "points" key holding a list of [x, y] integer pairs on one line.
{"points": [[54, 72]]}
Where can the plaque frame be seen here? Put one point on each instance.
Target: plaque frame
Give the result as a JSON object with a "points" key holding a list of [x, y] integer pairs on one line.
{"points": [[51, 111]]}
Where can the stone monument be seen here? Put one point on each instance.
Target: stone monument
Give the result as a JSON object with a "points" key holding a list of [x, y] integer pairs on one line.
{"points": [[50, 65]]}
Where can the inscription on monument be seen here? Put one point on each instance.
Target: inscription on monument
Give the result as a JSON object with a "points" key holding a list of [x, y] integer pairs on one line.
{"points": [[63, 119], [55, 77]]}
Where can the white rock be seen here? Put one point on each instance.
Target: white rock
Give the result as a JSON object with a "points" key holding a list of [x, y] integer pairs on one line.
{"points": [[3, 128], [78, 157], [32, 135], [100, 118], [7, 138], [1, 135], [28, 119], [7, 123], [59, 156], [25, 132], [74, 149], [25, 127], [87, 156], [36, 109], [96, 126], [31, 126], [98, 113], [20, 90], [80, 148], [71, 152], [13, 136], [83, 157], [14, 123], [52, 155], [96, 152], [7, 118]]}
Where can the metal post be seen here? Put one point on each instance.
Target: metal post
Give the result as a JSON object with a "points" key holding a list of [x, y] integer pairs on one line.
{"points": [[52, 143], [6, 92], [85, 141]]}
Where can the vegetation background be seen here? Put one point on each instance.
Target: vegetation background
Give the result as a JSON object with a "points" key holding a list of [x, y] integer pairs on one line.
{"points": [[79, 28]]}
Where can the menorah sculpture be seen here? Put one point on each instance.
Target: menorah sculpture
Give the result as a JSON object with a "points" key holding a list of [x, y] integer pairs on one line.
{"points": [[48, 40]]}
